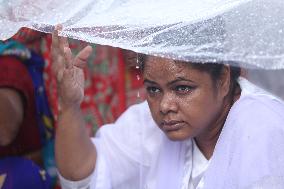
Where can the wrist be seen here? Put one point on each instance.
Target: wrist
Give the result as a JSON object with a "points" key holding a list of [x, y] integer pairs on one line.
{"points": [[63, 107]]}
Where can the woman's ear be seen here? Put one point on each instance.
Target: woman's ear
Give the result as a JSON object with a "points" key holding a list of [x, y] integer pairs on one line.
{"points": [[224, 81]]}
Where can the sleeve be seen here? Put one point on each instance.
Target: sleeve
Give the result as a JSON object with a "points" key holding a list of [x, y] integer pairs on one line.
{"points": [[82, 184], [98, 179], [122, 151]]}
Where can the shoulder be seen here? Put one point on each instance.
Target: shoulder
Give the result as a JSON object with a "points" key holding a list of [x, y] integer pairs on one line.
{"points": [[261, 106], [256, 115], [255, 104]]}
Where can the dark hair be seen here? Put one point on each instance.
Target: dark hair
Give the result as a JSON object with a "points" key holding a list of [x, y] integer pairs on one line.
{"points": [[215, 71]]}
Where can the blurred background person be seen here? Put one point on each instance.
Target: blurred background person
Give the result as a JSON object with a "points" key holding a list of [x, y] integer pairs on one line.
{"points": [[26, 122]]}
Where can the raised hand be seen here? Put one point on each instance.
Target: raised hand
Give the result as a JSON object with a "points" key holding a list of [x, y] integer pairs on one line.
{"points": [[68, 70]]}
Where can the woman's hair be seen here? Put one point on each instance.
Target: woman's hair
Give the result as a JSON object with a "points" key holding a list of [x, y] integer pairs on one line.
{"points": [[215, 70]]}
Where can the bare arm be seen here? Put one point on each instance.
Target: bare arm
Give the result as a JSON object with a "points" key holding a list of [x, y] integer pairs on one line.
{"points": [[11, 115], [74, 151]]}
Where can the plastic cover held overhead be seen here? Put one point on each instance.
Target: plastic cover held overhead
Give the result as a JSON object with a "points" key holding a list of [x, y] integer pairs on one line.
{"points": [[249, 33]]}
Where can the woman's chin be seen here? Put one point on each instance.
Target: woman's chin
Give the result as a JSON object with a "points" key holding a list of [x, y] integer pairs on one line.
{"points": [[176, 135]]}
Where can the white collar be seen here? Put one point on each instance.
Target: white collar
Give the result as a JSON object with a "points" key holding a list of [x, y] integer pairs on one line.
{"points": [[200, 163]]}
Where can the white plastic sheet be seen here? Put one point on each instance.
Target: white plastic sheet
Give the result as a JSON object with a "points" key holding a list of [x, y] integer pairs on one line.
{"points": [[249, 33]]}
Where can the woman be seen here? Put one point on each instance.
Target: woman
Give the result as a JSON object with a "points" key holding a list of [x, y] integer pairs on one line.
{"points": [[201, 127]]}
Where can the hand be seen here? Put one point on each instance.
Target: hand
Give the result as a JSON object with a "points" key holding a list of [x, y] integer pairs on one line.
{"points": [[68, 70]]}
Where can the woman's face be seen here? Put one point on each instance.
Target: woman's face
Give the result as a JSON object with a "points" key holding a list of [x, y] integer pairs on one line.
{"points": [[184, 101]]}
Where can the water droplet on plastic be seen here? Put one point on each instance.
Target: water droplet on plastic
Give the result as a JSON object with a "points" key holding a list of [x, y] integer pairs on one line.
{"points": [[137, 61]]}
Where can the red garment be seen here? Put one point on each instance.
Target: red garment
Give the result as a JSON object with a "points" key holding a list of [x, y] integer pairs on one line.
{"points": [[13, 74]]}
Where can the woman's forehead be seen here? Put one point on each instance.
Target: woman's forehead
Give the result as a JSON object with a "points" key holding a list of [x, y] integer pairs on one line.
{"points": [[163, 69], [165, 63]]}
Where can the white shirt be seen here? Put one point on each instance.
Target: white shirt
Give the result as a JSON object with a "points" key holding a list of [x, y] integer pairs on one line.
{"points": [[126, 158], [193, 172], [194, 168]]}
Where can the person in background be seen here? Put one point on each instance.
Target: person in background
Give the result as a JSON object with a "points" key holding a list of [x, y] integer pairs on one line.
{"points": [[26, 122]]}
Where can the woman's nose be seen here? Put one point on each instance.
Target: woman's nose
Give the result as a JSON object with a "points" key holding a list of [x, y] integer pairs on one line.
{"points": [[168, 104]]}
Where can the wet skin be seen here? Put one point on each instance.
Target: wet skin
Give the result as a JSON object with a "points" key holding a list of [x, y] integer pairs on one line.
{"points": [[184, 101]]}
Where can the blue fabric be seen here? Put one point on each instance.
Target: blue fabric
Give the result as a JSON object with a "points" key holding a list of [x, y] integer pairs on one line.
{"points": [[35, 66], [21, 173]]}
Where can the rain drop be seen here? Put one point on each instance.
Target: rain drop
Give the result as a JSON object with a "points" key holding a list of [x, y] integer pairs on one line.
{"points": [[137, 62]]}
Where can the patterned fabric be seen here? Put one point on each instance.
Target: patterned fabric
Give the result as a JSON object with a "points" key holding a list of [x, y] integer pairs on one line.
{"points": [[34, 64], [39, 121], [111, 84]]}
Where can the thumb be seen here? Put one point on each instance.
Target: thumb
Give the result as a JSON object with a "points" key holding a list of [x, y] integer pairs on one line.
{"points": [[81, 59]]}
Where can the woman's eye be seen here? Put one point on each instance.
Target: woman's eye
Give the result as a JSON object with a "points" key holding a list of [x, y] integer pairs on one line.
{"points": [[183, 89], [153, 90]]}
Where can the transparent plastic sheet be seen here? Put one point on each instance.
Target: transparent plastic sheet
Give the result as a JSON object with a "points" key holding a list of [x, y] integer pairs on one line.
{"points": [[249, 33], [246, 33], [269, 80]]}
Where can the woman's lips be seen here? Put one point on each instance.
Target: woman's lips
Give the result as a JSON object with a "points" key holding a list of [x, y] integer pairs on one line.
{"points": [[172, 125]]}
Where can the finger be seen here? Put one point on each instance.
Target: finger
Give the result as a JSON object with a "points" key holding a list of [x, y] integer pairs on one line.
{"points": [[68, 57], [59, 75], [63, 42], [55, 40], [59, 27], [55, 37], [58, 63], [82, 56], [80, 63], [81, 81]]}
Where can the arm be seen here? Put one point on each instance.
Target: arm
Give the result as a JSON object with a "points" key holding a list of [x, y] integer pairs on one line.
{"points": [[75, 153], [11, 115]]}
